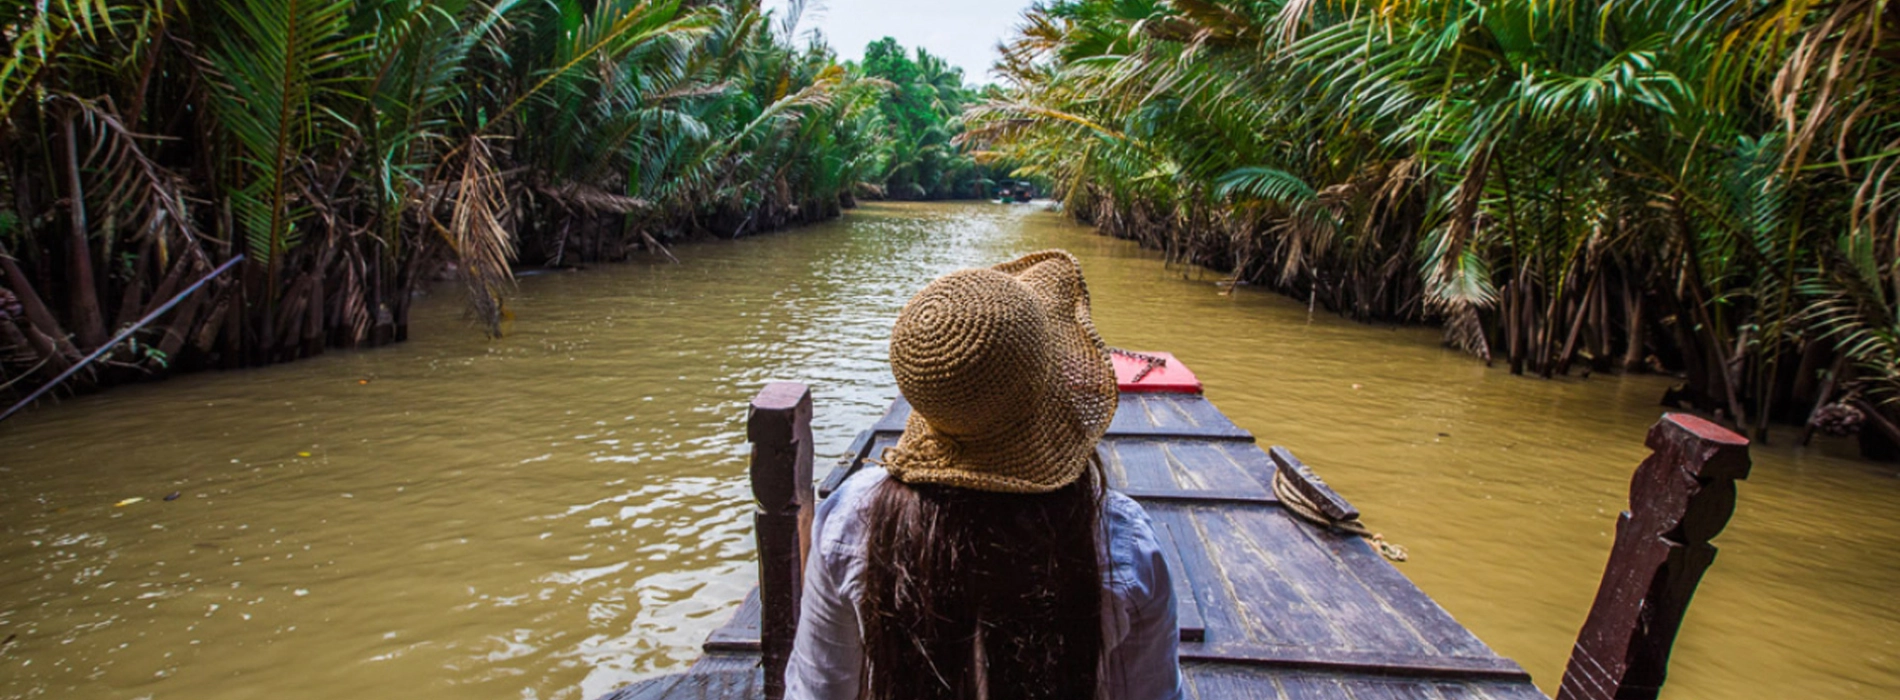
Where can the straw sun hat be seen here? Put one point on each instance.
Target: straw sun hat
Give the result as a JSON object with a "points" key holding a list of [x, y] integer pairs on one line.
{"points": [[1009, 385]]}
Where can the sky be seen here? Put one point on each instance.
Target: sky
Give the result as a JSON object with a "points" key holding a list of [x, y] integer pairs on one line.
{"points": [[964, 32]]}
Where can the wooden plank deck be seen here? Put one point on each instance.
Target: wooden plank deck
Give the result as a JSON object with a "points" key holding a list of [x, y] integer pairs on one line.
{"points": [[1270, 605]]}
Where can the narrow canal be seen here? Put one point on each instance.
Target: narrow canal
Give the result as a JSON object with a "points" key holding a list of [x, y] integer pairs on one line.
{"points": [[564, 510]]}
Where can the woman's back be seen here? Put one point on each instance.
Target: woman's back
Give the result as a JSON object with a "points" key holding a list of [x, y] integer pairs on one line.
{"points": [[1139, 637]]}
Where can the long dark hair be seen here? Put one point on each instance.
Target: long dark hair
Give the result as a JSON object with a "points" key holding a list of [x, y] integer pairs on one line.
{"points": [[970, 594]]}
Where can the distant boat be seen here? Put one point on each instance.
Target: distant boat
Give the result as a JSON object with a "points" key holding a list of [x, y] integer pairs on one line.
{"points": [[1015, 191]]}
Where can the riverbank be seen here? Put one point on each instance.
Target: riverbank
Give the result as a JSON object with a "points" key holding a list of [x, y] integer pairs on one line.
{"points": [[340, 157], [195, 337], [1566, 187], [1815, 392], [563, 510], [579, 241]]}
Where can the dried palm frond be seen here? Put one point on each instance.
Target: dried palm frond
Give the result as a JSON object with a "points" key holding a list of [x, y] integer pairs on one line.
{"points": [[593, 199], [482, 243], [137, 189]]}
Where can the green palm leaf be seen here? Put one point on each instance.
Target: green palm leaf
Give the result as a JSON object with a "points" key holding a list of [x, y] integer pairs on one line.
{"points": [[280, 66]]}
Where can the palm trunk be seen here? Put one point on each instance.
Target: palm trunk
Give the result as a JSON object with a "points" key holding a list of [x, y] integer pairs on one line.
{"points": [[88, 321], [11, 337], [1636, 334], [1514, 324], [1600, 327], [168, 286], [313, 329], [37, 314], [1801, 388], [1579, 314], [130, 299], [178, 329], [1821, 397]]}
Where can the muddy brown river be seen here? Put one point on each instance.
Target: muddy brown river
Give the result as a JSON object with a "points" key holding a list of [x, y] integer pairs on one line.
{"points": [[564, 510]]}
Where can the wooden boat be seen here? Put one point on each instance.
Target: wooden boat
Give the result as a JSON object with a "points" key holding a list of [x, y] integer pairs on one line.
{"points": [[1015, 191], [1271, 603]]}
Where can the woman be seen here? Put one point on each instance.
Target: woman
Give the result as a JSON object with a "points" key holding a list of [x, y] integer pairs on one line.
{"points": [[986, 559]]}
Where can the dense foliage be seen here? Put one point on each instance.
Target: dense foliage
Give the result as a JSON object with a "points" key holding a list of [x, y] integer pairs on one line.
{"points": [[353, 148], [1704, 186], [922, 116]]}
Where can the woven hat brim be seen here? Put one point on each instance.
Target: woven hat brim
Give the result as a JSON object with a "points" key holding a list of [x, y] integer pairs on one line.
{"points": [[1051, 446], [988, 467]]}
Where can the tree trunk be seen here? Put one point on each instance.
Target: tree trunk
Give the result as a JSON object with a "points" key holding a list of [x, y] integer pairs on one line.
{"points": [[1812, 356], [1637, 334], [37, 314], [313, 325], [207, 336], [1580, 312], [178, 329], [42, 347], [1879, 437], [131, 306], [88, 321], [1514, 326], [1821, 397], [1600, 327], [168, 286]]}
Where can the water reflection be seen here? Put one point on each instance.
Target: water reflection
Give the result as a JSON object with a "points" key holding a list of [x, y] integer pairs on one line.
{"points": [[562, 511]]}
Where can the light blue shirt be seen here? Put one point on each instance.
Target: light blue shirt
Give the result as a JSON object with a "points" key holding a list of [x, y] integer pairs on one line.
{"points": [[1140, 639]]}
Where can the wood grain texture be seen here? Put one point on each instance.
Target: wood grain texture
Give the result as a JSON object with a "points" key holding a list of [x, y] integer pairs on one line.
{"points": [[1201, 497], [1187, 607], [1269, 586], [1173, 415], [1680, 498], [1222, 468], [1370, 662], [1214, 681], [741, 632], [696, 684], [722, 663]]}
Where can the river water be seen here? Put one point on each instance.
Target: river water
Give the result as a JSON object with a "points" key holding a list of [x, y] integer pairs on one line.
{"points": [[564, 510]]}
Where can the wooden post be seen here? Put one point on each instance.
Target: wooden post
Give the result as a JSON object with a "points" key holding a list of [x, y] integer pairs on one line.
{"points": [[1680, 498], [779, 428]]}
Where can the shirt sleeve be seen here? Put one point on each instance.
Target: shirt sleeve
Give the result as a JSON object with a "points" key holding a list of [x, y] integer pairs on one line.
{"points": [[1147, 661], [826, 654]]}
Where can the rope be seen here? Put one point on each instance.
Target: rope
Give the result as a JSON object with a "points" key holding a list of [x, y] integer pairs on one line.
{"points": [[1308, 511], [1153, 361]]}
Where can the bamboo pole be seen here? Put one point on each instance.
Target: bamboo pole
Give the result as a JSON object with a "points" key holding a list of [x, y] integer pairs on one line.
{"points": [[102, 349]]}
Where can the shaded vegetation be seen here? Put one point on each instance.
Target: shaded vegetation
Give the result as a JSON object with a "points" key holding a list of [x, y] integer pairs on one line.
{"points": [[353, 149], [1702, 187]]}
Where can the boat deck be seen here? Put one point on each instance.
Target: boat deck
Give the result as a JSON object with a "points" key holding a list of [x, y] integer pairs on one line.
{"points": [[1271, 606]]}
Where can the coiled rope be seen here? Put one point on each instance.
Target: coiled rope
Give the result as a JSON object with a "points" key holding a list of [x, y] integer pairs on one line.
{"points": [[1301, 506]]}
